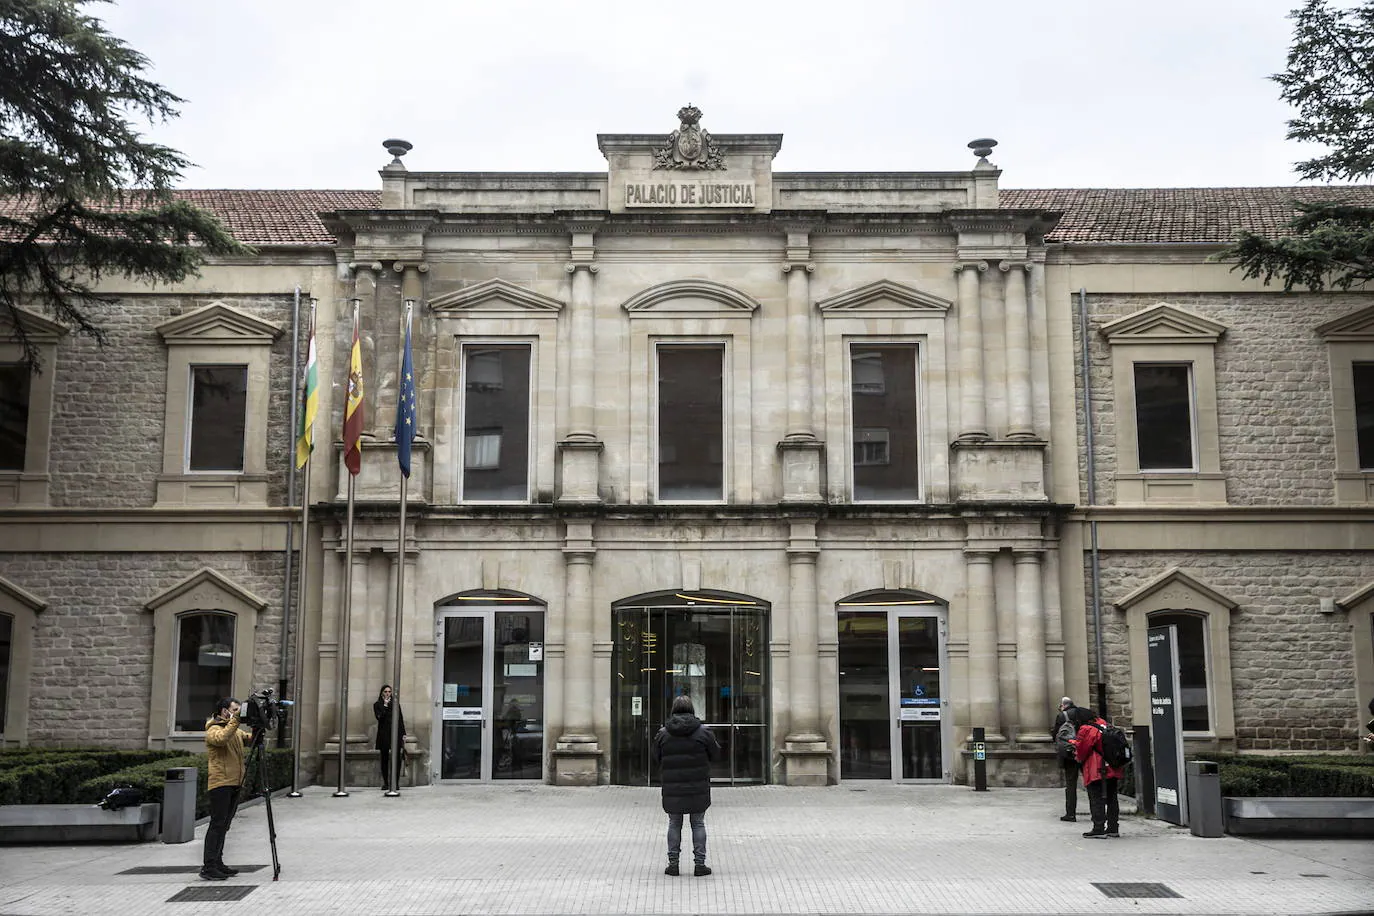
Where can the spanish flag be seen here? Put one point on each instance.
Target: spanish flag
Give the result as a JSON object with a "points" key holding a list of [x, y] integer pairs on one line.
{"points": [[353, 408]]}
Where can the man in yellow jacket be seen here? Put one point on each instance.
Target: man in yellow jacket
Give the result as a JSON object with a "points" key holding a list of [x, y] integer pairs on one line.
{"points": [[224, 739]]}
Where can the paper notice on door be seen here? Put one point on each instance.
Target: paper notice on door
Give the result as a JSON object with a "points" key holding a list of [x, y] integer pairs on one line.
{"points": [[636, 706], [450, 693], [536, 651], [462, 713], [522, 670], [924, 714]]}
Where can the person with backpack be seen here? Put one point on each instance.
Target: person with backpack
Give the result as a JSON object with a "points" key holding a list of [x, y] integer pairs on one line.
{"points": [[684, 749], [1102, 770], [1062, 733]]}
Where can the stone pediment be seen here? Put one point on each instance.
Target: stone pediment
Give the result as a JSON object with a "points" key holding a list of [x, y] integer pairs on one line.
{"points": [[1357, 327], [496, 297], [1174, 588], [883, 299], [36, 327], [24, 597], [1349, 602], [691, 297], [208, 590], [218, 323], [1163, 323]]}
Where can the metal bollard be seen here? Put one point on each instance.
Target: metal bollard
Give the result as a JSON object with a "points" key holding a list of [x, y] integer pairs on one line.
{"points": [[179, 805], [980, 761]]}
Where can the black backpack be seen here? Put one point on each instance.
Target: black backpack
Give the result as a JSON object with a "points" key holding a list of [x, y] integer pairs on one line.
{"points": [[1063, 739], [1116, 746]]}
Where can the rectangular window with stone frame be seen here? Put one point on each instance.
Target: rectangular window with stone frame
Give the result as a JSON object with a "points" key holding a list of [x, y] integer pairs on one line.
{"points": [[14, 415], [883, 412], [219, 418], [691, 422], [496, 422], [1164, 417]]}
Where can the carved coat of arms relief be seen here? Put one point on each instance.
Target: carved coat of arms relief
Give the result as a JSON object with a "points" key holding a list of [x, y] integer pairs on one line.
{"points": [[690, 146]]}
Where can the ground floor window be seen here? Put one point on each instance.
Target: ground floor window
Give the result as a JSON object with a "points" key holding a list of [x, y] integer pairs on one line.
{"points": [[205, 667]]}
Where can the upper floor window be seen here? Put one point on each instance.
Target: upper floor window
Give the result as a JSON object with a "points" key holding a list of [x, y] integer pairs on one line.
{"points": [[496, 422], [883, 402], [205, 667], [1164, 417], [691, 422], [1362, 377], [14, 415], [219, 410]]}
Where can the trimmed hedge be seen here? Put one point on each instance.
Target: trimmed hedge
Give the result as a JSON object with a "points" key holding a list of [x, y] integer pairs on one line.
{"points": [[1305, 776], [1252, 782], [150, 778], [48, 778]]}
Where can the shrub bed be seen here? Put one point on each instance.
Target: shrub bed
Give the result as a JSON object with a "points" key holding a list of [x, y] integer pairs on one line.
{"points": [[50, 777], [150, 777], [1308, 776]]}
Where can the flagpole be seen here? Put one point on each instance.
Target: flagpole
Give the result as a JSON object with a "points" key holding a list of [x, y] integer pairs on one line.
{"points": [[298, 674], [345, 625], [394, 764]]}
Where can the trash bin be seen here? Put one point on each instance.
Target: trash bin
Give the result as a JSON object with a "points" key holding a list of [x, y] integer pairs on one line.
{"points": [[1204, 799], [179, 805]]}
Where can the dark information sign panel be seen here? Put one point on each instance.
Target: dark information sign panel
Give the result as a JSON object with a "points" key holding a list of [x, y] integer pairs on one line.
{"points": [[1166, 726]]}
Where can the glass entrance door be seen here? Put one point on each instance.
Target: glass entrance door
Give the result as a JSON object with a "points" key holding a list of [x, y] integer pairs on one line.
{"points": [[893, 695], [717, 655], [489, 707]]}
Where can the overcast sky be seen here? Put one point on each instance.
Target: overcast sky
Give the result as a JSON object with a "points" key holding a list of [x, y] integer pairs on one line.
{"points": [[1079, 93]]}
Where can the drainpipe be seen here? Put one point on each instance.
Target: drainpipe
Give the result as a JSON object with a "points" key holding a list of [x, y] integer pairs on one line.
{"points": [[282, 680], [1100, 687]]}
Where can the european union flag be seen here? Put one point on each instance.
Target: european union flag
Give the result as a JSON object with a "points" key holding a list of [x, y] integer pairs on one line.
{"points": [[405, 408]]}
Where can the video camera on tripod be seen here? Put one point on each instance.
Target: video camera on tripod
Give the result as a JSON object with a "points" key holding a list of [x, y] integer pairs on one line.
{"points": [[262, 709]]}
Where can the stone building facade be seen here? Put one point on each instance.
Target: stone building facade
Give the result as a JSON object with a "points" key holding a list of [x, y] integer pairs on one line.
{"points": [[809, 447]]}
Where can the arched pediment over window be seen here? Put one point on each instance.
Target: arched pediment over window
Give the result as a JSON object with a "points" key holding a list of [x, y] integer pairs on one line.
{"points": [[691, 297]]}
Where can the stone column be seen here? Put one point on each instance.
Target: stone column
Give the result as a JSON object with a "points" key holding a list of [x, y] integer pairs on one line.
{"points": [[577, 753], [984, 699], [1020, 421], [1032, 696], [805, 748], [581, 450], [800, 449], [973, 422]]}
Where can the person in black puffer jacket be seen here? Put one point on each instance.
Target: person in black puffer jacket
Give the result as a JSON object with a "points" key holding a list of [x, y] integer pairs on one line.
{"points": [[684, 749]]}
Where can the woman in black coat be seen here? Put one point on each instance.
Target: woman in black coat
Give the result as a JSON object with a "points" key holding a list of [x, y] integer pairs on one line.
{"points": [[382, 709], [684, 749]]}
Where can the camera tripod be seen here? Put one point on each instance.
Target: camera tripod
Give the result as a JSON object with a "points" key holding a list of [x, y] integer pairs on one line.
{"points": [[255, 755]]}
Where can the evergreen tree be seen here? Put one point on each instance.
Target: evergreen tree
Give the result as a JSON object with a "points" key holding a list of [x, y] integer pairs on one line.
{"points": [[82, 194], [1330, 81]]}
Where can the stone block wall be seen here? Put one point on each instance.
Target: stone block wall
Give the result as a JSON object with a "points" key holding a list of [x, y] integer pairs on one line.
{"points": [[1292, 666], [110, 402], [90, 679], [1273, 393]]}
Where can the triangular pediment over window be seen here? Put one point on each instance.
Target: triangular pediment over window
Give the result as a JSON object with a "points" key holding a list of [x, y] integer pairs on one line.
{"points": [[1357, 327], [208, 590], [695, 297], [36, 327], [1176, 590], [1163, 323], [218, 323], [1356, 598], [8, 590], [883, 299], [497, 297]]}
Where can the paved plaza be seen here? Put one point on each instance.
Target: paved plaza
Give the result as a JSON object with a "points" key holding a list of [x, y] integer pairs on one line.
{"points": [[540, 849]]}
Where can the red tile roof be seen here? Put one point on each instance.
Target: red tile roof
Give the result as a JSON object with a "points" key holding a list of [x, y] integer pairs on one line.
{"points": [[1091, 216], [1173, 215]]}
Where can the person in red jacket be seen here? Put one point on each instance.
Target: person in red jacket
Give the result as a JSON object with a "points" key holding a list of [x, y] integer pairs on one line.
{"points": [[1099, 779]]}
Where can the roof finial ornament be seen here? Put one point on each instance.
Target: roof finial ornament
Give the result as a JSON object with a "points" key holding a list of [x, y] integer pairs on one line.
{"points": [[397, 149], [982, 148]]}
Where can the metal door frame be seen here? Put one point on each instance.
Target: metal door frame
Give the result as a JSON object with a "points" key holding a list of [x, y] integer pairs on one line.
{"points": [[895, 688], [487, 614], [648, 610]]}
